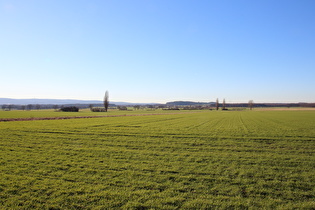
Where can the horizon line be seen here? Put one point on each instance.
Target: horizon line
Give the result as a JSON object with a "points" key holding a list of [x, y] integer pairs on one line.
{"points": [[122, 101]]}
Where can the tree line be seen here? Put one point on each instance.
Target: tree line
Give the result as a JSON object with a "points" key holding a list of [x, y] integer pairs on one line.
{"points": [[186, 105]]}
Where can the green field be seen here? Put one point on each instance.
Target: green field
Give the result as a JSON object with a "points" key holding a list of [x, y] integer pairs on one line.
{"points": [[84, 112], [203, 160]]}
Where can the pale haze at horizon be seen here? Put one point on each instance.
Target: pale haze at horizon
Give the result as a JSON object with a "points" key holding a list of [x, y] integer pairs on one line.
{"points": [[158, 51]]}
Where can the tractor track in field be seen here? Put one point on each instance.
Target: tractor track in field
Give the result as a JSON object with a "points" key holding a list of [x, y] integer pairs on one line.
{"points": [[83, 117]]}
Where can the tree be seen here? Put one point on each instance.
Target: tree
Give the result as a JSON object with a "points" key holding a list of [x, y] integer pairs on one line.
{"points": [[91, 107], [223, 104], [55, 107], [69, 109], [217, 104], [106, 102], [7, 107], [250, 104], [30, 106]]}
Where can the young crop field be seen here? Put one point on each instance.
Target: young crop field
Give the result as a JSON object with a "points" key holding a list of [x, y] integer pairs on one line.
{"points": [[81, 113], [201, 160]]}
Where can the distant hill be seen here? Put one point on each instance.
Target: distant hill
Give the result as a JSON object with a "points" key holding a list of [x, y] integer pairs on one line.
{"points": [[192, 103], [62, 102], [46, 101], [7, 101], [188, 103]]}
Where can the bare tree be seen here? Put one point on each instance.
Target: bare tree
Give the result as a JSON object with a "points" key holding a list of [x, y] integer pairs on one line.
{"points": [[106, 102], [29, 107], [223, 104], [217, 104], [55, 107], [250, 104]]}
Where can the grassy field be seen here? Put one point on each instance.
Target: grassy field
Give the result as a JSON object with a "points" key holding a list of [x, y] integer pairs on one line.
{"points": [[204, 160], [83, 112]]}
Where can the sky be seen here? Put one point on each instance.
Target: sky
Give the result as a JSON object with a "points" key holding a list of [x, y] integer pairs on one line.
{"points": [[158, 50]]}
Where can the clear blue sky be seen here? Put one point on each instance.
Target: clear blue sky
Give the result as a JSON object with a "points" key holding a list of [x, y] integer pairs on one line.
{"points": [[158, 50]]}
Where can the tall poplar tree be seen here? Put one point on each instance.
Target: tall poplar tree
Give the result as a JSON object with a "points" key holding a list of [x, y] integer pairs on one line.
{"points": [[250, 104], [223, 104], [106, 101]]}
